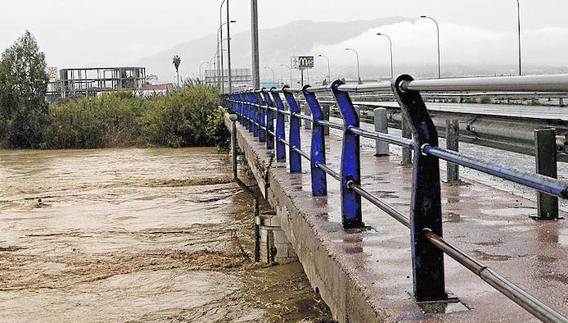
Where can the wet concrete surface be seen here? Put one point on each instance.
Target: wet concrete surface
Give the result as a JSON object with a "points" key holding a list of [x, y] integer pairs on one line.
{"points": [[491, 224], [136, 235], [508, 159]]}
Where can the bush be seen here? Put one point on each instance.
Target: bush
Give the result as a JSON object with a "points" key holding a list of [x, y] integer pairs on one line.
{"points": [[188, 117], [181, 119]]}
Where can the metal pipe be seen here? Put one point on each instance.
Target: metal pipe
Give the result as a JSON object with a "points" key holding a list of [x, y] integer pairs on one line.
{"points": [[390, 46], [519, 31], [387, 208], [273, 75], [290, 70], [301, 116], [533, 83], [254, 44], [537, 182], [221, 54], [301, 152], [200, 70], [368, 87], [330, 124], [358, 64], [391, 139], [220, 45], [329, 171], [328, 67], [229, 67], [439, 51], [507, 288]]}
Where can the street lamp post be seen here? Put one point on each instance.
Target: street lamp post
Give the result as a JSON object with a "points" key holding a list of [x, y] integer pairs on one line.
{"points": [[273, 74], [254, 44], [438, 34], [291, 76], [390, 49], [221, 54], [220, 46], [200, 70], [229, 49], [328, 67], [358, 64], [212, 63], [519, 30]]}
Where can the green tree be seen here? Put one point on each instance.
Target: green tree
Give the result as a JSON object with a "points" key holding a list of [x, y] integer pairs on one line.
{"points": [[23, 86]]}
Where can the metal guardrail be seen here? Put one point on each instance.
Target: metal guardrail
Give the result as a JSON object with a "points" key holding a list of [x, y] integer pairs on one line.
{"points": [[257, 110]]}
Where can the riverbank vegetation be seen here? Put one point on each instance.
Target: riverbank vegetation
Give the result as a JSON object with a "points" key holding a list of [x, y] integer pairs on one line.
{"points": [[187, 117]]}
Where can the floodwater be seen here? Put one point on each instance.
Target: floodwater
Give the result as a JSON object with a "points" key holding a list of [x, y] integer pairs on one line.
{"points": [[136, 235]]}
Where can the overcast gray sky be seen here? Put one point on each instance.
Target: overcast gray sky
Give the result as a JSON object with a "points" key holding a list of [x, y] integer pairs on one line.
{"points": [[117, 32]]}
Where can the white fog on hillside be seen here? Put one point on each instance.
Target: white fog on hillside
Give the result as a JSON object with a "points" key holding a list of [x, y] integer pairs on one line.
{"points": [[414, 44]]}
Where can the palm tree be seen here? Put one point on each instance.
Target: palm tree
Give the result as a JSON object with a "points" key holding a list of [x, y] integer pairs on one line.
{"points": [[177, 62]]}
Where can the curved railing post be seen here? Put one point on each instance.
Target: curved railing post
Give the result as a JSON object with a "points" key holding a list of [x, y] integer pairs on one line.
{"points": [[244, 113], [253, 99], [295, 142], [280, 127], [252, 114], [319, 177], [269, 120], [242, 108], [426, 207], [262, 115], [248, 111], [350, 161]]}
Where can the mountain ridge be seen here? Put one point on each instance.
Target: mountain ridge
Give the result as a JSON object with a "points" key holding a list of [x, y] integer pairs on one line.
{"points": [[277, 44]]}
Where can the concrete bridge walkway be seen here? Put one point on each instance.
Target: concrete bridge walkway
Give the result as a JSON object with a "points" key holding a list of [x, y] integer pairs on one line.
{"points": [[366, 276]]}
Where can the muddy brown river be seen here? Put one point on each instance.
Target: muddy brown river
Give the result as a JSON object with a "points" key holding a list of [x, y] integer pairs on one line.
{"points": [[136, 235]]}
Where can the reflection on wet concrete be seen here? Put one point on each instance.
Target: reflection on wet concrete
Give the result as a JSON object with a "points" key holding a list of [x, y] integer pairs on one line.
{"points": [[486, 222], [135, 235]]}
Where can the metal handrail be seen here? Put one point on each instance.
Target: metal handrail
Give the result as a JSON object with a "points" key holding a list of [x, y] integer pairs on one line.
{"points": [[254, 107], [536, 83]]}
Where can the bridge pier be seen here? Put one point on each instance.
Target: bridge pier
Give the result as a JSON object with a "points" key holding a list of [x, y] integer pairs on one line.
{"points": [[274, 246]]}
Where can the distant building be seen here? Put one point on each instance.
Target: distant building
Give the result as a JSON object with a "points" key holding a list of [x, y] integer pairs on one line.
{"points": [[157, 89], [77, 82], [241, 78]]}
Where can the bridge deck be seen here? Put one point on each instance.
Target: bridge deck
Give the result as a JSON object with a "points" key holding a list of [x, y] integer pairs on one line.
{"points": [[367, 275]]}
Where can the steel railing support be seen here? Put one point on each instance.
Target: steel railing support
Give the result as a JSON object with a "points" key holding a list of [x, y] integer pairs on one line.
{"points": [[350, 160], [426, 206], [269, 121], [295, 139], [261, 117], [546, 164], [406, 133], [319, 177], [256, 114], [453, 144], [280, 128]]}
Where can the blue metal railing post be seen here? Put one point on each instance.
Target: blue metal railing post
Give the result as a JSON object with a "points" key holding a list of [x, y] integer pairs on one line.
{"points": [[244, 120], [426, 207], [319, 177], [295, 140], [269, 120], [280, 128], [248, 111], [350, 160], [261, 116], [244, 110], [253, 100]]}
